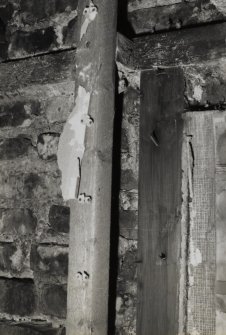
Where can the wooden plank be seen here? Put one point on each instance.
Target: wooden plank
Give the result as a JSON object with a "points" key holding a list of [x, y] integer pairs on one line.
{"points": [[52, 68], [144, 18], [160, 201], [220, 150], [183, 47], [89, 247], [199, 208]]}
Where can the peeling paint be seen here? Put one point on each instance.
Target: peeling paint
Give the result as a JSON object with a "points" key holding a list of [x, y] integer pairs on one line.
{"points": [[71, 146], [90, 13]]}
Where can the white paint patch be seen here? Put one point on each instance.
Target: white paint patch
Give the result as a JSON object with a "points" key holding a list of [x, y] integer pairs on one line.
{"points": [[195, 255], [195, 332], [90, 13], [71, 145], [220, 323], [198, 92]]}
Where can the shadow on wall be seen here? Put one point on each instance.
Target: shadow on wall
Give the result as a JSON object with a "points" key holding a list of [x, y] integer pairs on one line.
{"points": [[124, 26], [116, 174]]}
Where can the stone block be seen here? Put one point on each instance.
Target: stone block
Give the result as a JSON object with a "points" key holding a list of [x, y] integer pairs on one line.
{"points": [[19, 113], [17, 297], [47, 145], [129, 180], [59, 218], [54, 300], [17, 222], [50, 260], [11, 148], [31, 186], [26, 328], [28, 27], [128, 223], [14, 260], [59, 108], [128, 200], [206, 85]]}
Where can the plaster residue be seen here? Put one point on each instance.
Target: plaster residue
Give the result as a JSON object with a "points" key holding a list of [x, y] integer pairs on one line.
{"points": [[220, 323], [198, 91], [71, 145], [90, 13], [194, 332], [195, 255], [220, 5], [131, 75]]}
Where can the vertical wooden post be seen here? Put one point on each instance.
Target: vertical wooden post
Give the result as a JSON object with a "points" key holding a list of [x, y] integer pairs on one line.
{"points": [[160, 199], [90, 222]]}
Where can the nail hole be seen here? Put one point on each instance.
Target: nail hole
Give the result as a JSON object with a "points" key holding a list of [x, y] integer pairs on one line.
{"points": [[162, 256]]}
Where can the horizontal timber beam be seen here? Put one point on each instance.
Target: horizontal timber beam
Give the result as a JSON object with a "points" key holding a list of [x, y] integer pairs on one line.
{"points": [[147, 16], [184, 47], [45, 69]]}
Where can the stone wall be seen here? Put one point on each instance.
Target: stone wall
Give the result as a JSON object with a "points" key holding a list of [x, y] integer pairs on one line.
{"points": [[36, 97], [128, 218]]}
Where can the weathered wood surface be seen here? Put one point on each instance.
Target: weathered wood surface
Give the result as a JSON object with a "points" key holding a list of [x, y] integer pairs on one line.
{"points": [[90, 222], [199, 208], [220, 150], [160, 202], [147, 16], [183, 47], [53, 68]]}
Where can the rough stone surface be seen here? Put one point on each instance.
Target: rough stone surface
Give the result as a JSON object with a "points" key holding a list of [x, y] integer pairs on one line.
{"points": [[206, 85], [151, 16], [27, 28], [127, 288], [54, 300], [17, 297], [17, 222], [11, 148], [14, 260], [59, 218], [50, 260], [25, 328], [47, 145], [18, 114]]}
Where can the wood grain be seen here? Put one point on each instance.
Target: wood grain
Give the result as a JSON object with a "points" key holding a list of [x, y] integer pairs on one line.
{"points": [[172, 15], [160, 201], [45, 69], [182, 47], [89, 246]]}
